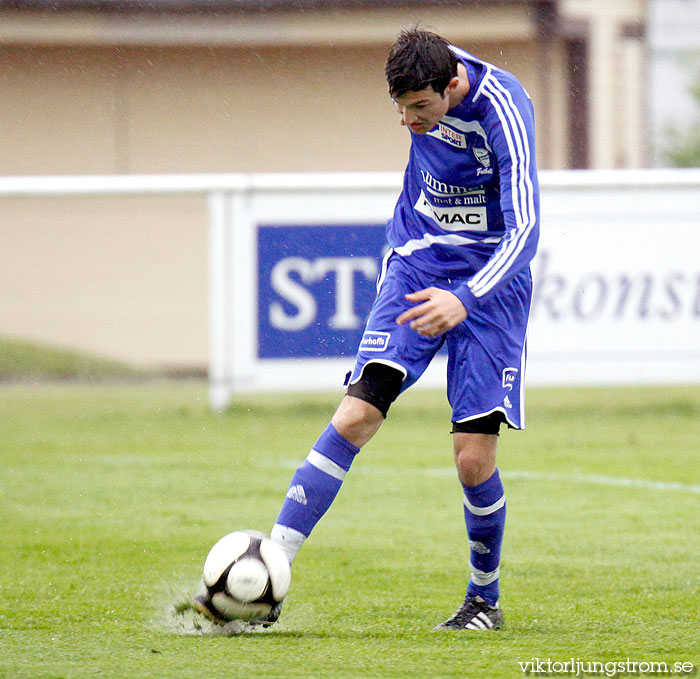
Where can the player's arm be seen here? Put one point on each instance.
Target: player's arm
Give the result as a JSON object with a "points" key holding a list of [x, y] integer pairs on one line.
{"points": [[510, 129]]}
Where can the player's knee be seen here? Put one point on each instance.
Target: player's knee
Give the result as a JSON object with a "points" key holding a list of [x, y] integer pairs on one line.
{"points": [[379, 386], [475, 445], [354, 414], [356, 421]]}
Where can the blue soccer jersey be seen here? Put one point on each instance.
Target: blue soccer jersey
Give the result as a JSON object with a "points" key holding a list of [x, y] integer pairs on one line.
{"points": [[467, 221], [469, 207]]}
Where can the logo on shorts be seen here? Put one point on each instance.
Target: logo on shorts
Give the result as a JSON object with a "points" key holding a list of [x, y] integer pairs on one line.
{"points": [[375, 341], [509, 376]]}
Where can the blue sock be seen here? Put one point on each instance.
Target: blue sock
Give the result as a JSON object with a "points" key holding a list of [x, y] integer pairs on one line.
{"points": [[313, 489], [485, 516]]}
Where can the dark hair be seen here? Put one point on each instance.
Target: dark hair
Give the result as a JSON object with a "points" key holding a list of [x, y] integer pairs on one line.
{"points": [[419, 59]]}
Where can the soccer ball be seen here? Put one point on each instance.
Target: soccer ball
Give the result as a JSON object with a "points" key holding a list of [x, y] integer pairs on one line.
{"points": [[246, 574]]}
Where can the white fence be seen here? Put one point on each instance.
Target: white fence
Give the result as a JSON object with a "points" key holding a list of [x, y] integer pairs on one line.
{"points": [[293, 257]]}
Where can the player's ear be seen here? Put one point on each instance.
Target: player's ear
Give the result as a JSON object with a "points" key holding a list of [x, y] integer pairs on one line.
{"points": [[451, 86]]}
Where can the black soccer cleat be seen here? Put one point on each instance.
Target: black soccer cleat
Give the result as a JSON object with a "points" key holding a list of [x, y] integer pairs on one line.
{"points": [[202, 604], [474, 613], [271, 618]]}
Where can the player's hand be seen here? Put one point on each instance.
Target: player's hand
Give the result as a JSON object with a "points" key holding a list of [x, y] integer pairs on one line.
{"points": [[440, 311]]}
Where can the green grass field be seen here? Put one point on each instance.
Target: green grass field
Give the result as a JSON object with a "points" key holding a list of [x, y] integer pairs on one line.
{"points": [[111, 496]]}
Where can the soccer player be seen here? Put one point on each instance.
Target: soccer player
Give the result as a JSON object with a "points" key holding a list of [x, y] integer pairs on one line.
{"points": [[464, 230]]}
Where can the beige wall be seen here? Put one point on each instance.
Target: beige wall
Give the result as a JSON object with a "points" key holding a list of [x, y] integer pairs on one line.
{"points": [[125, 278], [90, 94], [108, 110]]}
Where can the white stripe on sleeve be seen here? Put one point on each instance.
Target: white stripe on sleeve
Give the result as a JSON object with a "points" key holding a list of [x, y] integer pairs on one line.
{"points": [[522, 191]]}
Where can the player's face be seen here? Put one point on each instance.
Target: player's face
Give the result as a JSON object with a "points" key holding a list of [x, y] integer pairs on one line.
{"points": [[421, 111]]}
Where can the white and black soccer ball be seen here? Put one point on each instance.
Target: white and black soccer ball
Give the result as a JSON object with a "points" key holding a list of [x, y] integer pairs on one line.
{"points": [[246, 575]]}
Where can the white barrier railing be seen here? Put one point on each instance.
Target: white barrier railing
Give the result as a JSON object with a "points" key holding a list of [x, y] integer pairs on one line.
{"points": [[617, 280]]}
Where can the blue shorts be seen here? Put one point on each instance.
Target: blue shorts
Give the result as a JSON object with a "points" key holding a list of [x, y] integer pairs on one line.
{"points": [[486, 352]]}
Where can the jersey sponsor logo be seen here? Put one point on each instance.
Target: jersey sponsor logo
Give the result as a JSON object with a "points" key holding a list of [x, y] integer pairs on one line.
{"points": [[452, 137], [482, 155], [455, 217], [469, 195], [509, 377], [467, 126], [454, 131], [374, 341]]}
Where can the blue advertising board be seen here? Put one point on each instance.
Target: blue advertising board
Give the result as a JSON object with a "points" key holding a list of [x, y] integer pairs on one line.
{"points": [[316, 285]]}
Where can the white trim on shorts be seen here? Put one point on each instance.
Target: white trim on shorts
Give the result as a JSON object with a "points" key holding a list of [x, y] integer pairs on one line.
{"points": [[497, 409], [391, 364]]}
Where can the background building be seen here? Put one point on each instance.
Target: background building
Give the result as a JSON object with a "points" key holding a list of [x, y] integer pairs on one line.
{"points": [[674, 59], [107, 86]]}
